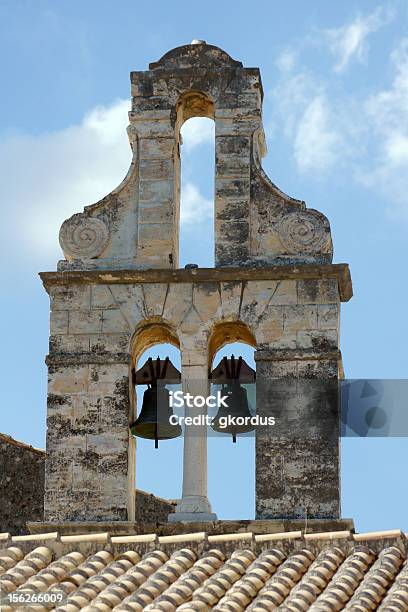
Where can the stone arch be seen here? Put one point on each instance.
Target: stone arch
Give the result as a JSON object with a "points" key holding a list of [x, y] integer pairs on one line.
{"points": [[227, 332], [150, 332], [194, 103]]}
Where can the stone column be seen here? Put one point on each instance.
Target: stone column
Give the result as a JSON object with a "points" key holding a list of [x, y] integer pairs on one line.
{"points": [[158, 193], [297, 460], [90, 461], [233, 142], [194, 505]]}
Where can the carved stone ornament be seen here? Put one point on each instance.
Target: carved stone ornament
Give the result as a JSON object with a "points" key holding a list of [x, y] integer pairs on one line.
{"points": [[83, 237], [305, 232]]}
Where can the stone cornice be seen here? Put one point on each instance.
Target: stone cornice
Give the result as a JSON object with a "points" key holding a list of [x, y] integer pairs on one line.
{"points": [[296, 355], [86, 358], [340, 272]]}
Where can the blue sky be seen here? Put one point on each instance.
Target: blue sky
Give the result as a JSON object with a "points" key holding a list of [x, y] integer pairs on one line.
{"points": [[335, 77]]}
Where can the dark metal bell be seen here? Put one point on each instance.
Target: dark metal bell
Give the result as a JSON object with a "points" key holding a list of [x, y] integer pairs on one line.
{"points": [[237, 407], [153, 421]]}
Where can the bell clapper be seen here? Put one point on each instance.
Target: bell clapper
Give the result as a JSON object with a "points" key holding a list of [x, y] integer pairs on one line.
{"points": [[156, 439]]}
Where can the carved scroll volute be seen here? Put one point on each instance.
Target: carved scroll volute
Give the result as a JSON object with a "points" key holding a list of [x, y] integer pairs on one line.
{"points": [[83, 237], [305, 232]]}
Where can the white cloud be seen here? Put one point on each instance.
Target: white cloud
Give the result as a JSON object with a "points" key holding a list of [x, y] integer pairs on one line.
{"points": [[286, 61], [49, 177], [389, 108], [317, 143], [387, 112], [396, 149], [194, 208], [197, 131], [351, 41], [303, 110], [366, 137]]}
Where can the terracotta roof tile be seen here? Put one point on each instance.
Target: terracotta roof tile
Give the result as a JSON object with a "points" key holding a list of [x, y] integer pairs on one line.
{"points": [[279, 586], [345, 581], [231, 573]]}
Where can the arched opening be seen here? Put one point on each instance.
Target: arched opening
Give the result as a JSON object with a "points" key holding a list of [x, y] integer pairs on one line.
{"points": [[197, 162], [235, 460], [157, 471]]}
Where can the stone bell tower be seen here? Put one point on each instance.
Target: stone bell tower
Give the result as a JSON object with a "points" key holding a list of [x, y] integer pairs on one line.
{"points": [[119, 291]]}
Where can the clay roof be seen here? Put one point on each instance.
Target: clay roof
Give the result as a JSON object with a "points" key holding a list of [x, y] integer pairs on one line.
{"points": [[198, 572]]}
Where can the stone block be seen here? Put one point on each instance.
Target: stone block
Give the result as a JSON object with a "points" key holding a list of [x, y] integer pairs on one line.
{"points": [[178, 302], [328, 316], [114, 322], [157, 169], [85, 321], [269, 334], [66, 380], [312, 291], [156, 212], [207, 300], [191, 323], [227, 209], [70, 297], [154, 298], [324, 340], [232, 188], [108, 379], [130, 299], [255, 300], [318, 368], [299, 318], [155, 237], [237, 124], [102, 297], [286, 293], [266, 369], [59, 322], [235, 146], [232, 168], [231, 296], [230, 253], [156, 191], [156, 148], [109, 343], [69, 343]]}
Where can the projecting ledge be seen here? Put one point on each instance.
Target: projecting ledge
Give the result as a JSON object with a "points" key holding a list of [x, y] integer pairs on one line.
{"points": [[340, 272]]}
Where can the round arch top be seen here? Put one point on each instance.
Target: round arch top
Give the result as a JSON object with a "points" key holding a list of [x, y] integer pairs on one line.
{"points": [[197, 54]]}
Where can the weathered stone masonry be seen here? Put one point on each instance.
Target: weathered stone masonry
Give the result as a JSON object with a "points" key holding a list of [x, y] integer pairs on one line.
{"points": [[21, 484], [22, 489], [119, 292]]}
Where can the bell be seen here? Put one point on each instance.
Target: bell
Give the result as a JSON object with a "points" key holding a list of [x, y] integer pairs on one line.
{"points": [[153, 421], [238, 408]]}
